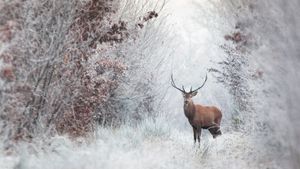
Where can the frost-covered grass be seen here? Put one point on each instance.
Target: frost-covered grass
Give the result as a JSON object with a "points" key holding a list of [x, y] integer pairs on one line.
{"points": [[154, 143]]}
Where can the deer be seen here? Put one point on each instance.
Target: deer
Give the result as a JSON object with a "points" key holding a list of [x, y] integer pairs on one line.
{"points": [[200, 116]]}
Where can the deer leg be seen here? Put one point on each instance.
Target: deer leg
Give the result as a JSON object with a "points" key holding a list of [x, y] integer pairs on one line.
{"points": [[195, 134], [199, 134], [215, 130]]}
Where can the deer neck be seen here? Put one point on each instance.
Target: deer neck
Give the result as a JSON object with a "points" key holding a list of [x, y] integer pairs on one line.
{"points": [[189, 109]]}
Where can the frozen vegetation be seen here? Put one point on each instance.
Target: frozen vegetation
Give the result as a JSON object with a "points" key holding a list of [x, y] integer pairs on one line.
{"points": [[86, 84]]}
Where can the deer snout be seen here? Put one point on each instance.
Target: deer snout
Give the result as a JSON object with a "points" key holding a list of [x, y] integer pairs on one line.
{"points": [[186, 100]]}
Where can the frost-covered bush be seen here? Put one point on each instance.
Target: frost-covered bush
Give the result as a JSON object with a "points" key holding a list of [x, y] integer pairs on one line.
{"points": [[62, 64], [234, 75], [234, 71]]}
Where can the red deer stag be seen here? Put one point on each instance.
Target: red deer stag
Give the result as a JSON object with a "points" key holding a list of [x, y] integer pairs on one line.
{"points": [[199, 116]]}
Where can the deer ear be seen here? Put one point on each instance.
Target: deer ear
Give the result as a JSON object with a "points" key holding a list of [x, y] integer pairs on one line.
{"points": [[194, 93]]}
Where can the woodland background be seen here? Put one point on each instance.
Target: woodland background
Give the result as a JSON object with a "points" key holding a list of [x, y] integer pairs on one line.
{"points": [[90, 79]]}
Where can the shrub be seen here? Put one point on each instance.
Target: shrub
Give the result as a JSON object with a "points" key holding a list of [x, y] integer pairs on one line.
{"points": [[61, 71]]}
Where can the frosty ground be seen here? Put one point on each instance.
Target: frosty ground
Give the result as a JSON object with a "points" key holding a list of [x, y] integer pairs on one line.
{"points": [[153, 144]]}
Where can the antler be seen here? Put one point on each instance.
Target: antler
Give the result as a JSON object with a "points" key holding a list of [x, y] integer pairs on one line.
{"points": [[173, 84], [191, 91]]}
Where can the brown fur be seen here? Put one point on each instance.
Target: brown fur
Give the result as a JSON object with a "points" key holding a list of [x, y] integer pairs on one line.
{"points": [[202, 117]]}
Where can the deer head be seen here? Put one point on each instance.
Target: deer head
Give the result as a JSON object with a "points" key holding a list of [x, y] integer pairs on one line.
{"points": [[187, 96]]}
